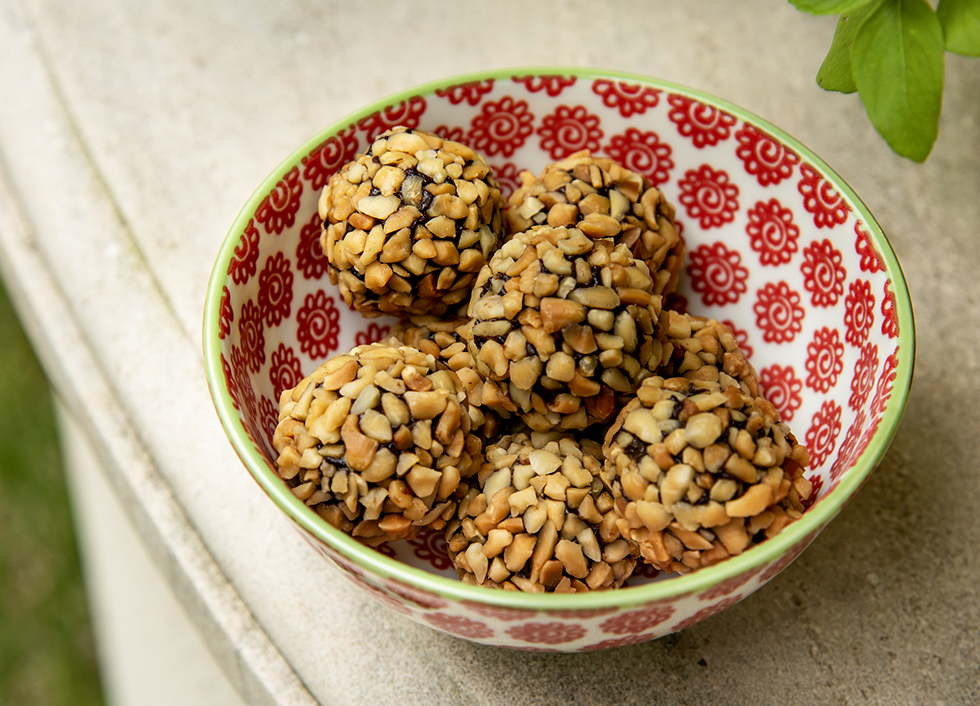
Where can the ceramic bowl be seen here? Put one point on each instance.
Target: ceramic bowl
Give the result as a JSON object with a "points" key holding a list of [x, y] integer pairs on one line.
{"points": [[778, 246]]}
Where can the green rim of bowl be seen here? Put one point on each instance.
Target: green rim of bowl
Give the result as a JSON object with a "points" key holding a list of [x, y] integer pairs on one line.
{"points": [[375, 562]]}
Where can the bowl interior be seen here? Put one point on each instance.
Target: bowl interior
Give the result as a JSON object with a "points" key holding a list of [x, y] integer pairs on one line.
{"points": [[778, 247]]}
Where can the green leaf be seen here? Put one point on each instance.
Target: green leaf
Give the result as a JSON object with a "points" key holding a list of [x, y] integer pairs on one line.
{"points": [[898, 67], [828, 7], [835, 73], [961, 25]]}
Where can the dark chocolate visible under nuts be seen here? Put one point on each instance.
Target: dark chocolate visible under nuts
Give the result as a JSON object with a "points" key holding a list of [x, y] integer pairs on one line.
{"points": [[540, 519], [377, 442], [700, 470], [604, 200], [408, 225]]}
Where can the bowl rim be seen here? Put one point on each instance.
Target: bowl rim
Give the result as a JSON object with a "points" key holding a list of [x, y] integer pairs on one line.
{"points": [[674, 587]]}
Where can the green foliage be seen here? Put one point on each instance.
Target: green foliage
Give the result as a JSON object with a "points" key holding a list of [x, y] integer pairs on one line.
{"points": [[837, 73], [961, 26], [828, 7], [46, 650], [898, 67], [891, 52]]}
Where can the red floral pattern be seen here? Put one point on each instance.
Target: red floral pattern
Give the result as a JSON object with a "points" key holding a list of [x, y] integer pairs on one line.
{"points": [[230, 381], [498, 612], [886, 384], [246, 256], [501, 127], [778, 313], [251, 336], [420, 597], [446, 132], [267, 417], [642, 152], [285, 372], [406, 113], [386, 550], [508, 177], [869, 433], [704, 124], [816, 485], [823, 273], [278, 210], [765, 158], [821, 437], [824, 360], [275, 290], [372, 334], [871, 260], [226, 315], [471, 92], [848, 454], [789, 557], [781, 387], [821, 199], [717, 274], [318, 325], [709, 196], [310, 258], [431, 547], [243, 383], [381, 596], [581, 614], [552, 85], [633, 622], [707, 612], [889, 312], [547, 633], [458, 625], [329, 156], [772, 232], [741, 336], [629, 98], [859, 312], [569, 129], [729, 586], [863, 381]]}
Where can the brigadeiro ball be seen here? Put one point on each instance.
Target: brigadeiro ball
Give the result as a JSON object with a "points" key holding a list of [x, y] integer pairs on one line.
{"points": [[408, 225], [377, 442], [604, 200], [700, 471], [540, 520], [561, 325], [702, 349], [440, 338]]}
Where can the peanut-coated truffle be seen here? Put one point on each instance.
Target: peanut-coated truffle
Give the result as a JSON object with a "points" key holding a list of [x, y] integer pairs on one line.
{"points": [[541, 519], [700, 470], [604, 200], [377, 442], [408, 225], [561, 326]]}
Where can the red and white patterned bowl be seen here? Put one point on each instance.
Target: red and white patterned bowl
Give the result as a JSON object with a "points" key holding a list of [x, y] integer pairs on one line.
{"points": [[779, 247]]}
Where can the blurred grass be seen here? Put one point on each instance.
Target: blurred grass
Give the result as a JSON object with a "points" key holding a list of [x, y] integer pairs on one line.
{"points": [[47, 657]]}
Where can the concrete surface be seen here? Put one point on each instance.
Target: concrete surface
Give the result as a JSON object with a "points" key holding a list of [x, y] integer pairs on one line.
{"points": [[130, 135], [144, 636]]}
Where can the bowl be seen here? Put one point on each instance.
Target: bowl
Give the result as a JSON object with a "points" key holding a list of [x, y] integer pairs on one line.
{"points": [[779, 247]]}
